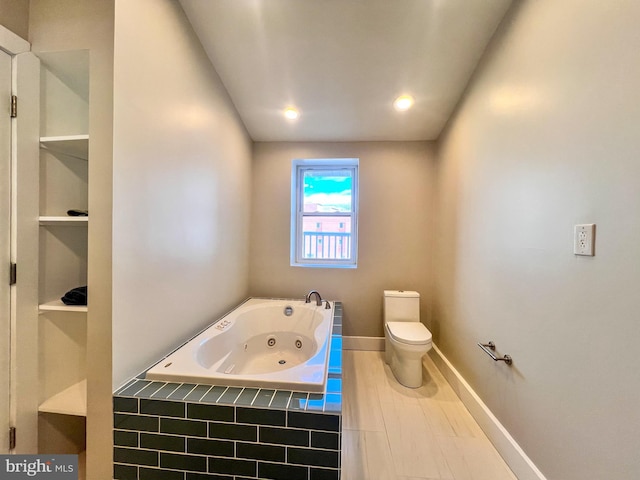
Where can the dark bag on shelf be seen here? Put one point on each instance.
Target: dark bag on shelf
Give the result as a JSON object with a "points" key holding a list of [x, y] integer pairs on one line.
{"points": [[75, 296]]}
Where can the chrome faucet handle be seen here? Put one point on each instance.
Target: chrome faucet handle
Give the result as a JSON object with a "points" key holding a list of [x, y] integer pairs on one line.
{"points": [[327, 305]]}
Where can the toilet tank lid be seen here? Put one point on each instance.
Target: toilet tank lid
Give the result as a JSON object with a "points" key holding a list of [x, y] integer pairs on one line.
{"points": [[401, 293]]}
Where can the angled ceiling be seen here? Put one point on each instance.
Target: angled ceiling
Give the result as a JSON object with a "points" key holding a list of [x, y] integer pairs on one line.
{"points": [[343, 62]]}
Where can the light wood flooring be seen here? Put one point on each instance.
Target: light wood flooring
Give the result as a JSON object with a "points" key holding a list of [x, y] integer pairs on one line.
{"points": [[390, 432]]}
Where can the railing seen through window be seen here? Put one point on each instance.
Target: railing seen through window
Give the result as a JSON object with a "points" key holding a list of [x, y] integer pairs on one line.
{"points": [[331, 245]]}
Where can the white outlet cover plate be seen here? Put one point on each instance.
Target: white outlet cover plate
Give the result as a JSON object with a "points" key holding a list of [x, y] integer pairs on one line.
{"points": [[584, 239]]}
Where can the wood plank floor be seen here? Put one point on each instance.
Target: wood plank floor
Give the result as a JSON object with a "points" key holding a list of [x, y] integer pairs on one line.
{"points": [[391, 432]]}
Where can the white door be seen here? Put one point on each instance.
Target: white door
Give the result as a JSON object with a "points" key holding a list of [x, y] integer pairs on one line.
{"points": [[5, 236]]}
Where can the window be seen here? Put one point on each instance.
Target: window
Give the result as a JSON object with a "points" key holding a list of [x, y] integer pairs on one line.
{"points": [[324, 212]]}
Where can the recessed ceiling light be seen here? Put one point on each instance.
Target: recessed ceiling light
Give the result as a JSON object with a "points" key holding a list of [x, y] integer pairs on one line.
{"points": [[291, 113], [403, 102]]}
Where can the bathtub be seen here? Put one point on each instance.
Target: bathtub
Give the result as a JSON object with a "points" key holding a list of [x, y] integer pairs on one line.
{"points": [[279, 344]]}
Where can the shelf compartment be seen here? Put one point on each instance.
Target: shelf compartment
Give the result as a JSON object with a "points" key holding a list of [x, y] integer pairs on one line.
{"points": [[71, 401], [72, 145], [58, 306], [63, 221]]}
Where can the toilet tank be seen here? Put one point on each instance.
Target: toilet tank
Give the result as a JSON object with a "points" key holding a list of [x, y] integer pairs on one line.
{"points": [[401, 306]]}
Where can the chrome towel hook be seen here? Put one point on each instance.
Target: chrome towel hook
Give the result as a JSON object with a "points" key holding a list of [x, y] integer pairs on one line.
{"points": [[488, 348]]}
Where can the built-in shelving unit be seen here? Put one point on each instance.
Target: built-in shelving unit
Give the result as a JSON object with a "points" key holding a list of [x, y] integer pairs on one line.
{"points": [[64, 164]]}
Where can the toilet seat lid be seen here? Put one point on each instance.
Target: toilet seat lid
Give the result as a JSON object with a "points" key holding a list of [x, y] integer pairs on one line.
{"points": [[412, 333]]}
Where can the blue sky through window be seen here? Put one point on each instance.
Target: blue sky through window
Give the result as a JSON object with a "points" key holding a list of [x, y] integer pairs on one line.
{"points": [[328, 191]]}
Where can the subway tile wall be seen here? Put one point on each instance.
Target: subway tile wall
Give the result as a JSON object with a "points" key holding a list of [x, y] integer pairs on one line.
{"points": [[184, 431]]}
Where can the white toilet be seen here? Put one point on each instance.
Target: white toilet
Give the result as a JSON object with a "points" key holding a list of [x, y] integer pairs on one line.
{"points": [[406, 339]]}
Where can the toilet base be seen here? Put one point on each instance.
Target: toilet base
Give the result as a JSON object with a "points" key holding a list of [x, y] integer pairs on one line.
{"points": [[405, 366], [406, 373]]}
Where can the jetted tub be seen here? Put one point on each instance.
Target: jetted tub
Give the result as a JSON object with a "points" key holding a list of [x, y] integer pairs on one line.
{"points": [[262, 343]]}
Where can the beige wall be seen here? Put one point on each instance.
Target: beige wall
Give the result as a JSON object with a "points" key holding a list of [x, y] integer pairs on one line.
{"points": [[14, 14], [395, 228], [547, 137], [181, 188]]}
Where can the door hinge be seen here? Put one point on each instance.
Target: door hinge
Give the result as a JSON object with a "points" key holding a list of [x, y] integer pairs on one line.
{"points": [[12, 438], [14, 106], [13, 274]]}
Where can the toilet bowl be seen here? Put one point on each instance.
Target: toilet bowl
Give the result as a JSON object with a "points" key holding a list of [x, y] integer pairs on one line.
{"points": [[407, 340]]}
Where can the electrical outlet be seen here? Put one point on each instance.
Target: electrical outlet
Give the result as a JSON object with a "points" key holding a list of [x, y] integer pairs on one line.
{"points": [[584, 239]]}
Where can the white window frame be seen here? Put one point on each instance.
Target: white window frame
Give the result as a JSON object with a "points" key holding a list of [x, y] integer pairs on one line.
{"points": [[298, 168]]}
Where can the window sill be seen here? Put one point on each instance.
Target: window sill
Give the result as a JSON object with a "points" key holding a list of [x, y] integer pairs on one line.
{"points": [[325, 265]]}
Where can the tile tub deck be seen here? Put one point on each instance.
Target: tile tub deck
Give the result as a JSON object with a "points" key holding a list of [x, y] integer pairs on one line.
{"points": [[186, 431]]}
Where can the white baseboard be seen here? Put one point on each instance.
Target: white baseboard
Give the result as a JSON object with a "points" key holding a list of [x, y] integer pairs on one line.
{"points": [[363, 343], [516, 458]]}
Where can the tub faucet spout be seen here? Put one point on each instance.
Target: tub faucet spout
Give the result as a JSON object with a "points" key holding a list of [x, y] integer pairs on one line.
{"points": [[307, 299]]}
